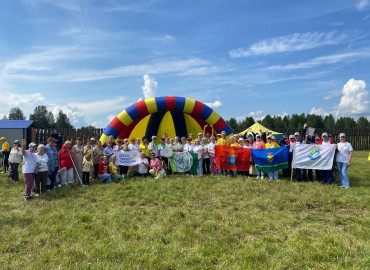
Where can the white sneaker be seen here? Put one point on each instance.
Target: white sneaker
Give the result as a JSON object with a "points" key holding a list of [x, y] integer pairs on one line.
{"points": [[258, 177], [249, 177], [83, 185], [262, 177]]}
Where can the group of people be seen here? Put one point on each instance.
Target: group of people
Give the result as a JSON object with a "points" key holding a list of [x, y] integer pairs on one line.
{"points": [[45, 167]]}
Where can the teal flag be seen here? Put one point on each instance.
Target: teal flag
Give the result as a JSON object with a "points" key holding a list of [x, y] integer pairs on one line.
{"points": [[271, 159], [184, 162]]}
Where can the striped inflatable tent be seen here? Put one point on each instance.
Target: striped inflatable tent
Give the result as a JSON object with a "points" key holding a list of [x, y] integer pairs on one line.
{"points": [[171, 116]]}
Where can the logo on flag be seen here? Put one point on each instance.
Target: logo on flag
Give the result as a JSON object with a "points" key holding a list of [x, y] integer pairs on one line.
{"points": [[270, 157], [314, 153], [183, 161], [231, 160]]}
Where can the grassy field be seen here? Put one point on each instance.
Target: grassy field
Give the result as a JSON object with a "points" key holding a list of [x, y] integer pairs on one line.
{"points": [[190, 222]]}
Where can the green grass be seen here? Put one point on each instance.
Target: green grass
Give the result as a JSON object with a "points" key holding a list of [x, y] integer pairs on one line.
{"points": [[189, 222]]}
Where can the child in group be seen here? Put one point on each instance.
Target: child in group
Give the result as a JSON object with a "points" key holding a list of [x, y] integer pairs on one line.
{"points": [[104, 172], [87, 169]]}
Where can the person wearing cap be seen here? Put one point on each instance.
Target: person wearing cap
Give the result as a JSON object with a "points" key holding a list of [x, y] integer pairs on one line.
{"points": [[273, 175], [259, 144], [15, 157], [206, 158], [284, 140], [41, 176], [198, 149], [331, 139], [78, 150], [188, 147], [298, 172], [211, 151], [93, 141], [200, 136], [28, 168], [191, 136], [6, 151], [223, 140], [52, 153], [343, 160], [326, 175], [66, 165]]}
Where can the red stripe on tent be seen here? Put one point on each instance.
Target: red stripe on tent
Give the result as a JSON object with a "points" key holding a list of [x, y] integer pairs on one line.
{"points": [[220, 124], [117, 124], [125, 133], [198, 108], [141, 108], [200, 121], [170, 103]]}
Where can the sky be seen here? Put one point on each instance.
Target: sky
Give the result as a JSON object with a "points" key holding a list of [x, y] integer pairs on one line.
{"points": [[92, 59]]}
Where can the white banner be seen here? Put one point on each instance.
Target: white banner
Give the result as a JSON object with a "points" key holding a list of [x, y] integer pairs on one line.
{"points": [[313, 156], [127, 158]]}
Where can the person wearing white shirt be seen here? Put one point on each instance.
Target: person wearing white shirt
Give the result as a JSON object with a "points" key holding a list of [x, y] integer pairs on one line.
{"points": [[211, 151], [206, 160], [133, 146], [28, 168], [42, 174], [188, 147], [153, 146], [298, 172], [343, 160], [14, 160], [177, 146], [198, 149], [143, 167]]}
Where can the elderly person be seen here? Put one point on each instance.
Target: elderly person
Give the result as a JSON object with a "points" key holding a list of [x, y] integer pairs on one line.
{"points": [[156, 167], [143, 167], [259, 144], [42, 171], [66, 165], [78, 150], [14, 159], [206, 159], [6, 151], [211, 152], [153, 146], [96, 154], [343, 160], [326, 175], [199, 150], [273, 175], [52, 153], [144, 147], [28, 168]]}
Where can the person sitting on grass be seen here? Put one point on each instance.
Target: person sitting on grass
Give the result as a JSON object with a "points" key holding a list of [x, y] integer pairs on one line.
{"points": [[156, 167], [87, 170], [143, 167], [28, 168], [114, 169], [104, 171]]}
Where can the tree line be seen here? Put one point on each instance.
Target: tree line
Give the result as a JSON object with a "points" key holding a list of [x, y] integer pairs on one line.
{"points": [[296, 121], [45, 119]]}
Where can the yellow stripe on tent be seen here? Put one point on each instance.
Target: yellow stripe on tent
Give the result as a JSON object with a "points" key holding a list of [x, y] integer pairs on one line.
{"points": [[140, 128], [213, 118], [192, 125], [125, 118], [189, 105], [151, 105], [103, 138], [167, 126]]}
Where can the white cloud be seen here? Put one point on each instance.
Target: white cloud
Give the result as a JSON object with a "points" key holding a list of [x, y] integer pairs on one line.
{"points": [[17, 100], [150, 86], [327, 60], [355, 99], [214, 105], [362, 4], [110, 117], [290, 43], [332, 95], [319, 111]]}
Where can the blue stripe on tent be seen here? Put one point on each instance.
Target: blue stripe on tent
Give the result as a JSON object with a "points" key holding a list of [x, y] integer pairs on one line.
{"points": [[153, 124], [227, 129], [180, 104], [111, 131], [180, 124], [207, 111], [161, 103], [133, 112]]}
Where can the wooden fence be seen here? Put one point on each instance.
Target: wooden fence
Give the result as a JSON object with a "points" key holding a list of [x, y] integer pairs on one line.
{"points": [[358, 137]]}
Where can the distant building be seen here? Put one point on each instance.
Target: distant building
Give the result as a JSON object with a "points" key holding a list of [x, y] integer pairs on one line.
{"points": [[16, 130]]}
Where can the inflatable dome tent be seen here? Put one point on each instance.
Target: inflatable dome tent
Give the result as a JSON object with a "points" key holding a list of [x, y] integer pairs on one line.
{"points": [[170, 116]]}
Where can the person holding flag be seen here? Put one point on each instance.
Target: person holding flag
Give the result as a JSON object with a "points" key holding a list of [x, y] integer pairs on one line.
{"points": [[326, 175], [259, 144], [273, 175]]}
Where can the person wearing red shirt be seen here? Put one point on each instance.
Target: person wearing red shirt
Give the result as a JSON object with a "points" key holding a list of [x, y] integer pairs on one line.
{"points": [[104, 171], [66, 165]]}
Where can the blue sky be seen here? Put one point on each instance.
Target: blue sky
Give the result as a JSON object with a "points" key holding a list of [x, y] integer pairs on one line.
{"points": [[244, 58]]}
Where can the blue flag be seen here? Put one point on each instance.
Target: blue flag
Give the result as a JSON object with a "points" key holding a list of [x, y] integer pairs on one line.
{"points": [[271, 159]]}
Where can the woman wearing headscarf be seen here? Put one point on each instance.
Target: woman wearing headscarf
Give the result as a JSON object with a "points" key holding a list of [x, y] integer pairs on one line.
{"points": [[14, 159]]}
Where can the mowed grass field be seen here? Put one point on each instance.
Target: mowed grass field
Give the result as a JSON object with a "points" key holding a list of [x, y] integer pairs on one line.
{"points": [[190, 223]]}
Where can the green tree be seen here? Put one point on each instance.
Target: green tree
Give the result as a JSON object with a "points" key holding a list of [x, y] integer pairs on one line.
{"points": [[315, 121], [233, 124], [63, 121], [268, 122], [16, 114], [329, 121], [345, 122], [278, 122], [362, 122], [41, 117], [286, 121], [5, 117], [246, 123]]}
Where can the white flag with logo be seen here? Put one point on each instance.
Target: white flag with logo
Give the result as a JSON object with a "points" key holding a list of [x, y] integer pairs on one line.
{"points": [[313, 156]]}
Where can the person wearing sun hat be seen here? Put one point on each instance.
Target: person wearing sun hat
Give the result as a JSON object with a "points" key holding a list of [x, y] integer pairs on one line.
{"points": [[259, 144], [223, 140], [6, 151], [29, 167], [343, 160], [326, 175]]}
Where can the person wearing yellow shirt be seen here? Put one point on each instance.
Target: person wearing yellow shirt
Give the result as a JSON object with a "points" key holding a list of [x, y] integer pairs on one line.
{"points": [[274, 175], [223, 140], [6, 151], [144, 147], [233, 143]]}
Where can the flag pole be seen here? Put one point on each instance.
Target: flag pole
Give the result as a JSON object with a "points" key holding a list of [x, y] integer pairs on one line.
{"points": [[291, 173]]}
